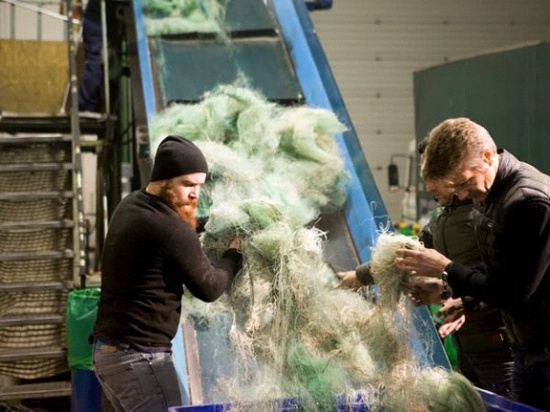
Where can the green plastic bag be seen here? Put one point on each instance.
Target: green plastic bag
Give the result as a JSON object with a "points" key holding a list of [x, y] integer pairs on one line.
{"points": [[448, 344], [81, 314], [451, 351]]}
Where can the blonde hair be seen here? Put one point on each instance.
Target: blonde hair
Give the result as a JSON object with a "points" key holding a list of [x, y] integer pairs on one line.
{"points": [[454, 144]]}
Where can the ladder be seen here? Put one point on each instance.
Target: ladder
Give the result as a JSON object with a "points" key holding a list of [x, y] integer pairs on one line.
{"points": [[37, 252], [43, 241], [42, 247]]}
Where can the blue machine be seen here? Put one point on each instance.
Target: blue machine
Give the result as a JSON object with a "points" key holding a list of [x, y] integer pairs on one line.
{"points": [[289, 66]]}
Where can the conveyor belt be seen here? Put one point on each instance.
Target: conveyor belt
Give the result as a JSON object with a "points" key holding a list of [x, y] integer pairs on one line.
{"points": [[249, 48], [206, 63], [278, 51]]}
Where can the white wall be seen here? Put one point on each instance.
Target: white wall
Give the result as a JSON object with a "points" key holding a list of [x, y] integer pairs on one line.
{"points": [[25, 24], [374, 46]]}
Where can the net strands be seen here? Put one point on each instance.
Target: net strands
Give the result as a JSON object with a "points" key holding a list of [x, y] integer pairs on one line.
{"points": [[40, 270], [183, 16], [35, 153], [28, 240], [13, 338], [274, 170], [34, 368]]}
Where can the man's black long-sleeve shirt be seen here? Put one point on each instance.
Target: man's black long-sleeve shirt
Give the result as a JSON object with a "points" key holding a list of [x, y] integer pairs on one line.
{"points": [[148, 255]]}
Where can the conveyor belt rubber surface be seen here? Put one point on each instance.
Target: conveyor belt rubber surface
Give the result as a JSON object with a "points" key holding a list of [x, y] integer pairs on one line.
{"points": [[190, 64]]}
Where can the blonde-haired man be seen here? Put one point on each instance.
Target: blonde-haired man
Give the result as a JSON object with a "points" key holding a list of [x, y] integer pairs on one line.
{"points": [[512, 221]]}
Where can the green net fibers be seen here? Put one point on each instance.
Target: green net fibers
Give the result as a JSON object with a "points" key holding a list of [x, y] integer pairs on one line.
{"points": [[274, 171], [182, 16]]}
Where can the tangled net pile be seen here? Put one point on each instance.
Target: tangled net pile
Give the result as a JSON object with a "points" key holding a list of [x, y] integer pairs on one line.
{"points": [[183, 16], [274, 170]]}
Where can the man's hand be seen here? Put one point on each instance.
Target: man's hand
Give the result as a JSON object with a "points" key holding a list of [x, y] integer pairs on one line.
{"points": [[423, 262], [453, 315], [349, 280], [452, 309], [425, 290], [235, 243], [450, 326]]}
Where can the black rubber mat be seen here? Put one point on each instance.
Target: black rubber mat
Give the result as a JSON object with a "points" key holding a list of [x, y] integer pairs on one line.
{"points": [[188, 68]]}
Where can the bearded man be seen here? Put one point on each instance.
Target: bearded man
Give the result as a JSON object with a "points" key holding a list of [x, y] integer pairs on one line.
{"points": [[151, 251]]}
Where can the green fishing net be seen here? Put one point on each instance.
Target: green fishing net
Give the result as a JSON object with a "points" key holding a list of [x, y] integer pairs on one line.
{"points": [[182, 16], [274, 171]]}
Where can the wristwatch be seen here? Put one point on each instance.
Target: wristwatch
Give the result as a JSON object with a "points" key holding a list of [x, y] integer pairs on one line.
{"points": [[364, 274], [445, 293]]}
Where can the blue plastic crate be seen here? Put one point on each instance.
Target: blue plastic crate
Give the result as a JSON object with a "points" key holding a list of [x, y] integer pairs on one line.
{"points": [[496, 403], [342, 404], [285, 405], [493, 403]]}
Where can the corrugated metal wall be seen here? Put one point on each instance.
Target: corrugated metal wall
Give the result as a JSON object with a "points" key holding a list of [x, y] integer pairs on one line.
{"points": [[374, 46]]}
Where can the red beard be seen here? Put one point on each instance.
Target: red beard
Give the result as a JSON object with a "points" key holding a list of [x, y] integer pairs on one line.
{"points": [[184, 208]]}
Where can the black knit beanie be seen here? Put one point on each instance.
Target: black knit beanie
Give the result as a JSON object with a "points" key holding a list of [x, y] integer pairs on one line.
{"points": [[177, 156]]}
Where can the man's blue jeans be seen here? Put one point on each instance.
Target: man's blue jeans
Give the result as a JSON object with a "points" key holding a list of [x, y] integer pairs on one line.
{"points": [[136, 381]]}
